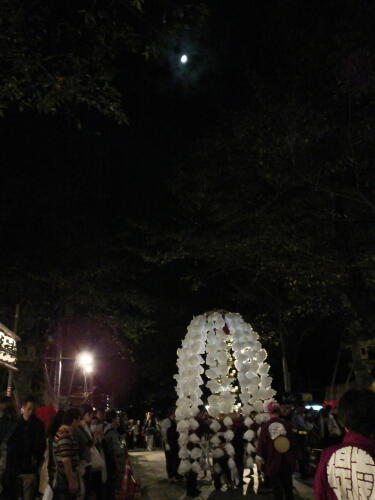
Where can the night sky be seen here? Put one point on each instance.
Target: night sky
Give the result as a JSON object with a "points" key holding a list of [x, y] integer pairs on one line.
{"points": [[242, 181]]}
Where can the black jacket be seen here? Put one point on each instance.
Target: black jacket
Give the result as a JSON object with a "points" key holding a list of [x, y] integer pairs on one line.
{"points": [[172, 436], [26, 446]]}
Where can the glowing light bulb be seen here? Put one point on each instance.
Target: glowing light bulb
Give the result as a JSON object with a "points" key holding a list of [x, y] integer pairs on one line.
{"points": [[85, 361], [184, 59]]}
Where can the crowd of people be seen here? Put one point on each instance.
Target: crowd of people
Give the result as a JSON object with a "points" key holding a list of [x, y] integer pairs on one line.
{"points": [[285, 444], [78, 454]]}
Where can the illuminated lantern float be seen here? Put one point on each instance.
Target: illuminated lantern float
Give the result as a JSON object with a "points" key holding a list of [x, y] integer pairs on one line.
{"points": [[223, 350]]}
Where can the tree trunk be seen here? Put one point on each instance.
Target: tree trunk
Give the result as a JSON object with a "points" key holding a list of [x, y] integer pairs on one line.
{"points": [[284, 360]]}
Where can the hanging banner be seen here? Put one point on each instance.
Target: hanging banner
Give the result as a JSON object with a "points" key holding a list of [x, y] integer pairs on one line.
{"points": [[8, 347]]}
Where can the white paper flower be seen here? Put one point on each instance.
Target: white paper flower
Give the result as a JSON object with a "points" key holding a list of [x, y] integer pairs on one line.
{"points": [[182, 426], [258, 406], [229, 435], [251, 376], [196, 453], [215, 426], [229, 449], [228, 422], [261, 417], [218, 453], [215, 441], [231, 464], [248, 421], [195, 467], [214, 411], [249, 435], [253, 366], [222, 357], [184, 467], [250, 448], [264, 369], [183, 453], [183, 438], [193, 438], [193, 424], [210, 373], [261, 355], [221, 370]]}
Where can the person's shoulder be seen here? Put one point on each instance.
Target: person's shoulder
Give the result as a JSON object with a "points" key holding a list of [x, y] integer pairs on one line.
{"points": [[16, 426], [75, 431], [63, 433], [286, 423], [265, 425], [37, 422], [109, 431], [19, 420], [328, 452], [78, 432]]}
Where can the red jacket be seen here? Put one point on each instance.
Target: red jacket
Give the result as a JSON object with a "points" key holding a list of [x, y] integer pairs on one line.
{"points": [[347, 470], [45, 414], [272, 459]]}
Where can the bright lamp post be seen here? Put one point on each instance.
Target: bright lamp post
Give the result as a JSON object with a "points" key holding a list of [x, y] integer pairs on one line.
{"points": [[85, 361]]}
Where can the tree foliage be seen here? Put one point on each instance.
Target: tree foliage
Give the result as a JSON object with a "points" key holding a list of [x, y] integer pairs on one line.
{"points": [[275, 212], [68, 57], [251, 190]]}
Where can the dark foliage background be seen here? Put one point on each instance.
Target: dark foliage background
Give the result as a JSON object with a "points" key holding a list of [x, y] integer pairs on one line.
{"points": [[137, 192]]}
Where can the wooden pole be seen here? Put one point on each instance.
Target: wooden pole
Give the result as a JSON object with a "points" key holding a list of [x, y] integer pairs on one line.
{"points": [[72, 378], [59, 375], [284, 361], [333, 381], [284, 358], [48, 380], [17, 318], [10, 383]]}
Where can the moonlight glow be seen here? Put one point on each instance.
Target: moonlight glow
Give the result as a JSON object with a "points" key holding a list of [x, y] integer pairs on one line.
{"points": [[184, 59]]}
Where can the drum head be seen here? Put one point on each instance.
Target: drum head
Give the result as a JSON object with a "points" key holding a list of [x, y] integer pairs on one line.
{"points": [[282, 444]]}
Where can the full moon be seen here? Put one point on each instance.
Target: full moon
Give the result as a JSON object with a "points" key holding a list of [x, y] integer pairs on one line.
{"points": [[184, 59]]}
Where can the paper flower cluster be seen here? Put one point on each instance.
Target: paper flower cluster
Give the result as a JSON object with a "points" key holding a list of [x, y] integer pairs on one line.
{"points": [[237, 378]]}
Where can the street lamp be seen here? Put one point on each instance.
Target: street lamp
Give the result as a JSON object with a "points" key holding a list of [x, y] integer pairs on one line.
{"points": [[85, 361]]}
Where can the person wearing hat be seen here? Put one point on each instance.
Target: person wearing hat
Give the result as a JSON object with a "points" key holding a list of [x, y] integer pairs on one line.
{"points": [[275, 453]]}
